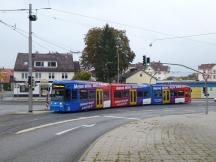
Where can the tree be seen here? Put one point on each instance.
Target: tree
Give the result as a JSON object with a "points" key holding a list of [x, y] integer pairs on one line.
{"points": [[102, 46], [83, 75]]}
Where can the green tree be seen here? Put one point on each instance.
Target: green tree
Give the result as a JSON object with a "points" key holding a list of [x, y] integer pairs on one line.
{"points": [[83, 75], [102, 46]]}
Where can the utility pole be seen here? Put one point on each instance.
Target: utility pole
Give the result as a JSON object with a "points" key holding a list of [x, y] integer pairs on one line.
{"points": [[30, 78], [30, 59]]}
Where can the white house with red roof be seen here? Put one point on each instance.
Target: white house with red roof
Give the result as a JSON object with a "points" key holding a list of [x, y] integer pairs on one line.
{"points": [[46, 68]]}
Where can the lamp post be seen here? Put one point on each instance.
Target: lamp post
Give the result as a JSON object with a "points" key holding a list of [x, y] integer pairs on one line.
{"points": [[118, 42]]}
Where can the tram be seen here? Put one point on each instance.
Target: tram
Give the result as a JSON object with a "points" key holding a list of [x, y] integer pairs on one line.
{"points": [[75, 95]]}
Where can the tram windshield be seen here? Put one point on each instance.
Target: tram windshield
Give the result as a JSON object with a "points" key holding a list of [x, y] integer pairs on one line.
{"points": [[57, 94]]}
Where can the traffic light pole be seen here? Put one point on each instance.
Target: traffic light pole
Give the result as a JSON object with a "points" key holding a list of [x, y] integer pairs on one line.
{"points": [[30, 60], [205, 76]]}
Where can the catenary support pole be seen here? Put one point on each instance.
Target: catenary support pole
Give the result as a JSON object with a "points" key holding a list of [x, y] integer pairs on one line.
{"points": [[30, 59]]}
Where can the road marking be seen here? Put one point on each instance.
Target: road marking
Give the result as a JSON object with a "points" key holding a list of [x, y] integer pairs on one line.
{"points": [[121, 117], [55, 123], [68, 130]]}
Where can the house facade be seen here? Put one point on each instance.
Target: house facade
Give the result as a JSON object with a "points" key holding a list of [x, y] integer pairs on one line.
{"points": [[45, 69], [209, 69], [138, 76], [156, 69]]}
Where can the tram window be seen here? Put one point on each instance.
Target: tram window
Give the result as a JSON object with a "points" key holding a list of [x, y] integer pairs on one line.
{"points": [[118, 94], [125, 94], [67, 95], [145, 94], [106, 94], [175, 94], [83, 94], [139, 94], [180, 93], [91, 94], [157, 93], [74, 94], [172, 94]]}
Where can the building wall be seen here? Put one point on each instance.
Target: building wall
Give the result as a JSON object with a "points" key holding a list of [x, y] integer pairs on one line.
{"points": [[44, 76], [211, 72], [160, 75], [140, 77]]}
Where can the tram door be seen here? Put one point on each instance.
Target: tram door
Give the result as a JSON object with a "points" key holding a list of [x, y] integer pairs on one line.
{"points": [[99, 98], [133, 97], [166, 96]]}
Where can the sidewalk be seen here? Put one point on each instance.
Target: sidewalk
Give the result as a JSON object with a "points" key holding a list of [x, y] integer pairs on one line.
{"points": [[172, 138], [22, 99]]}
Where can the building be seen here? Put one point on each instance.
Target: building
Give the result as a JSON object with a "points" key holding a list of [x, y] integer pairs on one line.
{"points": [[46, 68], [138, 76], [156, 69], [209, 69], [6, 79]]}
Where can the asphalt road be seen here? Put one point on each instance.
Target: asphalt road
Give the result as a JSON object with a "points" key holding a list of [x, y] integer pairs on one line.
{"points": [[65, 137]]}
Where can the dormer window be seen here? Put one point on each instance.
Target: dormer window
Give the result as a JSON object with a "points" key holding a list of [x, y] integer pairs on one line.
{"points": [[52, 64], [39, 63]]}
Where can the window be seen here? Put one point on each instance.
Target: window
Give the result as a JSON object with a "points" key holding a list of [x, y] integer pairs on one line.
{"points": [[67, 95], [39, 63], [146, 94], [180, 93], [74, 94], [51, 75], [140, 75], [157, 93], [91, 94], [36, 75], [52, 64], [125, 94], [26, 75], [83, 94], [23, 75], [23, 88], [106, 95], [139, 94], [118, 94], [64, 75], [39, 75]]}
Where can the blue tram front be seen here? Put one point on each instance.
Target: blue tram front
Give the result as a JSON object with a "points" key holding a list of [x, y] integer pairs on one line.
{"points": [[78, 95]]}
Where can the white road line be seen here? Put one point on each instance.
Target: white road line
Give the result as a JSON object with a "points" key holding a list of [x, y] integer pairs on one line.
{"points": [[68, 130], [121, 117], [55, 123]]}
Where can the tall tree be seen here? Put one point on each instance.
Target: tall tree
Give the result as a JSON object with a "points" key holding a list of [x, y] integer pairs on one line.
{"points": [[102, 46]]}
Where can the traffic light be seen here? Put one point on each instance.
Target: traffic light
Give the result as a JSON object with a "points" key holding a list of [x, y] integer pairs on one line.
{"points": [[29, 81], [144, 60], [148, 60]]}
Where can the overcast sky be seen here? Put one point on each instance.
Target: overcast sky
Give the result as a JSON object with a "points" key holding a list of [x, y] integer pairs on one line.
{"points": [[145, 21]]}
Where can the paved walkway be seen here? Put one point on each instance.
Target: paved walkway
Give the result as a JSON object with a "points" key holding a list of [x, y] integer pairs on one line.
{"points": [[172, 138]]}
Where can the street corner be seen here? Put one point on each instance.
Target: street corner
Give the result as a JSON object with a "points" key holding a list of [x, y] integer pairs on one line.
{"points": [[168, 138]]}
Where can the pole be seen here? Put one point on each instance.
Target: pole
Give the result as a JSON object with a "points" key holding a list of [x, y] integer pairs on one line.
{"points": [[30, 59], [206, 95], [118, 64]]}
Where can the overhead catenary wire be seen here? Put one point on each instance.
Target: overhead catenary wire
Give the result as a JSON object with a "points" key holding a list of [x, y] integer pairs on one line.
{"points": [[172, 36], [24, 33]]}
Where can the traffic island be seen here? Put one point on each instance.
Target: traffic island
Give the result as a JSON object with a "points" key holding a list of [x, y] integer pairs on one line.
{"points": [[171, 138]]}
